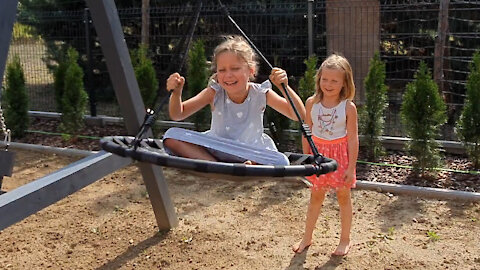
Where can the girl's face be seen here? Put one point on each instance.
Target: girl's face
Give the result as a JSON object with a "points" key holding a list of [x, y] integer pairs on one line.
{"points": [[332, 82], [233, 72]]}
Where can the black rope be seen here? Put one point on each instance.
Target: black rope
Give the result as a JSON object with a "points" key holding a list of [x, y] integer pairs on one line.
{"points": [[304, 127], [151, 115]]}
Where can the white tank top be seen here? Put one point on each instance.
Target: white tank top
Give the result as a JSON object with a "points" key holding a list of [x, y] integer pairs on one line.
{"points": [[329, 123]]}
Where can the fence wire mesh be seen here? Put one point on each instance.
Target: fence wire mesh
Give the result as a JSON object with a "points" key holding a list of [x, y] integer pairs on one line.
{"points": [[407, 34]]}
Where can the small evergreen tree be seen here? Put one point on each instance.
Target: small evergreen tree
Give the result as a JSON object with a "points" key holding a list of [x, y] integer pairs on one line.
{"points": [[372, 121], [306, 85], [16, 99], [423, 111], [59, 82], [468, 126], [145, 74], [74, 99], [197, 78]]}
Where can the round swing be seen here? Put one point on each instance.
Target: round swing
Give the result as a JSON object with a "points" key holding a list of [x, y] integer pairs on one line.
{"points": [[152, 151]]}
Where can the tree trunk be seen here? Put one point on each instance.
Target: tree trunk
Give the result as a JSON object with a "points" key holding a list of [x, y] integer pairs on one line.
{"points": [[438, 75], [145, 22]]}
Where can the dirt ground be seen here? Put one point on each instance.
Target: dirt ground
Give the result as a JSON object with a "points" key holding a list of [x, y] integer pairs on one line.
{"points": [[230, 225]]}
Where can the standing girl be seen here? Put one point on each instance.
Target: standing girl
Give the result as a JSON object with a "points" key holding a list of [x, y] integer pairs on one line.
{"points": [[237, 106], [332, 117]]}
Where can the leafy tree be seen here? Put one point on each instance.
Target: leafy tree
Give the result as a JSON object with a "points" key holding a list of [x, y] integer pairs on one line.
{"points": [[16, 99], [74, 99], [423, 111], [197, 78], [372, 120], [145, 74], [468, 126]]}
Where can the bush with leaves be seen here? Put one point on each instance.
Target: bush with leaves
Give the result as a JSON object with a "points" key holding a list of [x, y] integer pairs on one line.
{"points": [[372, 116], [74, 99], [15, 99], [59, 81], [423, 111], [145, 74], [468, 126], [197, 78]]}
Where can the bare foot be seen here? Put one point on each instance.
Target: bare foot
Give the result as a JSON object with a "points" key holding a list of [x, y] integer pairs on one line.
{"points": [[301, 246], [342, 249], [249, 162]]}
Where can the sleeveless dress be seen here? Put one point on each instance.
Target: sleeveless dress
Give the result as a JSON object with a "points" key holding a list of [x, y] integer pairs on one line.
{"points": [[329, 131], [236, 132]]}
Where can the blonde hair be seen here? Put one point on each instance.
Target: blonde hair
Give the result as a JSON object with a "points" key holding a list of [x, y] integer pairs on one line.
{"points": [[239, 46], [336, 62]]}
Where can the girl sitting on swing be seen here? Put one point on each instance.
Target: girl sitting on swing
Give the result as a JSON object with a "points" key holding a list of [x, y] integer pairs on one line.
{"points": [[237, 106]]}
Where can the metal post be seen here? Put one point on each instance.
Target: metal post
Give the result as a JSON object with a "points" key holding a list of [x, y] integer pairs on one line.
{"points": [[310, 27], [109, 30], [88, 48]]}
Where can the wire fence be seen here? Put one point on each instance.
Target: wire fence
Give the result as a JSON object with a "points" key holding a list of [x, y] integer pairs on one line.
{"points": [[404, 32]]}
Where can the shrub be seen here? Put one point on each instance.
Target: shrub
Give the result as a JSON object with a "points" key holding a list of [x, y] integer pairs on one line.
{"points": [[306, 85], [74, 99], [145, 74], [16, 99], [197, 78], [59, 82], [423, 111], [372, 117], [468, 126]]}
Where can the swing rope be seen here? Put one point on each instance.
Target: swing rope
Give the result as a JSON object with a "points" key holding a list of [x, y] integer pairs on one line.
{"points": [[151, 115], [304, 127]]}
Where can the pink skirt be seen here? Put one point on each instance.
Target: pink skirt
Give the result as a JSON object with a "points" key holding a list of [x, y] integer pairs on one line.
{"points": [[338, 150]]}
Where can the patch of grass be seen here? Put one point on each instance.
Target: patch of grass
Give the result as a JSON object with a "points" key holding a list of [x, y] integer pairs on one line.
{"points": [[433, 236]]}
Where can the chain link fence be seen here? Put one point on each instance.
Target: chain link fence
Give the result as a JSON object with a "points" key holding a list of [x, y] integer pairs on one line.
{"points": [[405, 33]]}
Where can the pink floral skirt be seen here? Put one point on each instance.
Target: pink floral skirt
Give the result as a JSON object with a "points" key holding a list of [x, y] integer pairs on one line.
{"points": [[338, 150]]}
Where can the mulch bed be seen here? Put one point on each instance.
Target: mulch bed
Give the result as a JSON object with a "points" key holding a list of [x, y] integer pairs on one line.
{"points": [[367, 172]]}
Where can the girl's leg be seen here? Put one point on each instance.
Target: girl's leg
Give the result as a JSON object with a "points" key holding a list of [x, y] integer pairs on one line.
{"points": [[188, 150], [346, 214], [316, 201]]}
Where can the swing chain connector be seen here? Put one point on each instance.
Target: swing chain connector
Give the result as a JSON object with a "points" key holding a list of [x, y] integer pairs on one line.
{"points": [[5, 131], [7, 139], [148, 122]]}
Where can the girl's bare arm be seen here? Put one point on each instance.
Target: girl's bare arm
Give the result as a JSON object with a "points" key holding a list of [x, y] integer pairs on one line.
{"points": [[281, 104], [308, 120]]}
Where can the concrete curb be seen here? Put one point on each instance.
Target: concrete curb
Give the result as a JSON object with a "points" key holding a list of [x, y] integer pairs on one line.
{"points": [[423, 192]]}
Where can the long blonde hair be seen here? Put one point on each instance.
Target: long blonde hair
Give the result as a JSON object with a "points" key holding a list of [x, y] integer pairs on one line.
{"points": [[336, 62], [239, 46]]}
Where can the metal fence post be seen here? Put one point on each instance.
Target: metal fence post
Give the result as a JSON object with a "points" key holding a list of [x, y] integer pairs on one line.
{"points": [[310, 27], [88, 49]]}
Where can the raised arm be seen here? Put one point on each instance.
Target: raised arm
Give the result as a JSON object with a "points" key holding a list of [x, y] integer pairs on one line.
{"points": [[281, 104], [179, 109]]}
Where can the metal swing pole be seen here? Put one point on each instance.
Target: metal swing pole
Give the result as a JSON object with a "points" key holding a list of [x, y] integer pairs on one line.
{"points": [[151, 115], [304, 127]]}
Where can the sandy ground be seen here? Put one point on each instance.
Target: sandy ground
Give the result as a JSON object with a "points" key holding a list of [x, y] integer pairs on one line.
{"points": [[230, 225]]}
